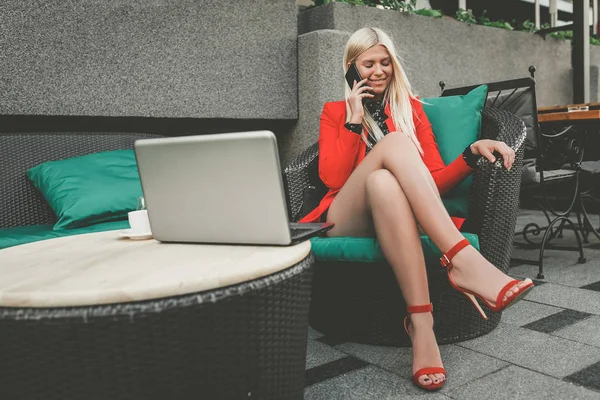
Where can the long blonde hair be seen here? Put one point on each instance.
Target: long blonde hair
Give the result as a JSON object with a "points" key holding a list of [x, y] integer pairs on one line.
{"points": [[398, 93]]}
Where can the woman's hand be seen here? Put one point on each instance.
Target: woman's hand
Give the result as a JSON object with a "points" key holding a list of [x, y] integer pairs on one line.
{"points": [[487, 147], [358, 93]]}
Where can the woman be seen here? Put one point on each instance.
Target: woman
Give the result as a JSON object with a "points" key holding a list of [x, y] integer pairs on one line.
{"points": [[385, 175]]}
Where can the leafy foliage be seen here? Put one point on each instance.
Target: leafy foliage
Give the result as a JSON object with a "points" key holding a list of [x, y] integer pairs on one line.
{"points": [[409, 7], [465, 16], [406, 6], [427, 12], [484, 20]]}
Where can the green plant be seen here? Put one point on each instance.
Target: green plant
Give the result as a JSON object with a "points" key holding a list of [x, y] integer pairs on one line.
{"points": [[465, 16], [429, 13], [562, 35], [355, 2], [406, 6], [499, 24], [527, 26], [484, 20]]}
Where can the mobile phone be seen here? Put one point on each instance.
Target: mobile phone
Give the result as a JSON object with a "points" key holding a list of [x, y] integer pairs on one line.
{"points": [[353, 75]]}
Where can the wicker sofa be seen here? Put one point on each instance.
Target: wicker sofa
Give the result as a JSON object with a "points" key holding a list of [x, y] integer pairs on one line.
{"points": [[231, 342], [25, 216], [361, 302]]}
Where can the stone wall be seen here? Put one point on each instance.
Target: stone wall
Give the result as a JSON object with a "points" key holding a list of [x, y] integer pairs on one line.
{"points": [[149, 58], [460, 54]]}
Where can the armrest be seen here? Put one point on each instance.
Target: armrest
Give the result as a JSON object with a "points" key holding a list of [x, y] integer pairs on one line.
{"points": [[297, 177], [494, 199]]}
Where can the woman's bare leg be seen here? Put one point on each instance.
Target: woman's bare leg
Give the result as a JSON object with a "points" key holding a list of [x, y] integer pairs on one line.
{"points": [[398, 235], [379, 207], [396, 154]]}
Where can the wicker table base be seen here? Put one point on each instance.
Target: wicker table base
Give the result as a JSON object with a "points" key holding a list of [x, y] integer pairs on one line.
{"points": [[245, 341]]}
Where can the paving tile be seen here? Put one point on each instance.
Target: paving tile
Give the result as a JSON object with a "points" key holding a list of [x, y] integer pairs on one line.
{"points": [[524, 312], [563, 271], [313, 333], [567, 297], [462, 365], [369, 383], [585, 331], [397, 360], [588, 377], [540, 352], [318, 353], [518, 383], [333, 369], [592, 286], [557, 321]]}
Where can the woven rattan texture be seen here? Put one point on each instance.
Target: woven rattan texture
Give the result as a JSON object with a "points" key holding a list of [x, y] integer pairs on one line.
{"points": [[301, 173], [361, 302], [246, 341], [20, 203]]}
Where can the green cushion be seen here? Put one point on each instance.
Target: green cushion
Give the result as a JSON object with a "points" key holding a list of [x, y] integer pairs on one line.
{"points": [[26, 234], [354, 249], [86, 190], [456, 123]]}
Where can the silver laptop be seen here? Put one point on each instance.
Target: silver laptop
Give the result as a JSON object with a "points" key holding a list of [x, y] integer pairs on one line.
{"points": [[222, 188]]}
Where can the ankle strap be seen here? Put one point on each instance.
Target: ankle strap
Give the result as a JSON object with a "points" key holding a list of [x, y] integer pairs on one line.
{"points": [[446, 259], [419, 309]]}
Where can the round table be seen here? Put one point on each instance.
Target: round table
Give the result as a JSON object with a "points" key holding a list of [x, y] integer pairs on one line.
{"points": [[97, 317]]}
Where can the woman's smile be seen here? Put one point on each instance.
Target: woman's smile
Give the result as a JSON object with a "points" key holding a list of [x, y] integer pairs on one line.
{"points": [[377, 81]]}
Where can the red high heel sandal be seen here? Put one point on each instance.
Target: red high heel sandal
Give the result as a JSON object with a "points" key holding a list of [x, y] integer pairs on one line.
{"points": [[430, 370], [500, 305]]}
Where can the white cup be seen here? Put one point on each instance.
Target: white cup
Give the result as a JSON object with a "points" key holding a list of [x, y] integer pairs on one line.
{"points": [[138, 221]]}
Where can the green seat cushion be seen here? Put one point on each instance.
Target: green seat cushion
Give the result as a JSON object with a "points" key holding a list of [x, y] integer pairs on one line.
{"points": [[456, 123], [354, 249], [89, 189], [26, 234]]}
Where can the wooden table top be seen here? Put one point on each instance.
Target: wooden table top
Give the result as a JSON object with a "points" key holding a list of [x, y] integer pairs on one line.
{"points": [[101, 268], [569, 116], [543, 110]]}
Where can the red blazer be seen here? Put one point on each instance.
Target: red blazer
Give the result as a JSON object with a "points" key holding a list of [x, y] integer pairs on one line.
{"points": [[340, 152]]}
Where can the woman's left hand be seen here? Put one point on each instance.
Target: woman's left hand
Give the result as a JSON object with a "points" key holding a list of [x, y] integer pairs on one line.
{"points": [[486, 148]]}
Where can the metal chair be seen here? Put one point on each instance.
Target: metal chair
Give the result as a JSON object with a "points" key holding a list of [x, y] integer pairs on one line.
{"points": [[552, 160]]}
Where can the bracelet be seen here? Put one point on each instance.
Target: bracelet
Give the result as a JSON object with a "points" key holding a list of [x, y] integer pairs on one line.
{"points": [[356, 128], [470, 158]]}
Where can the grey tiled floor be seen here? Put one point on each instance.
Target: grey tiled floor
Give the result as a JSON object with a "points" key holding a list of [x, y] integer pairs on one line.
{"points": [[546, 346]]}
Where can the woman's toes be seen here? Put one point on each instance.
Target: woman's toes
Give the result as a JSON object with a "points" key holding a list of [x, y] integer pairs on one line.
{"points": [[440, 377], [425, 380]]}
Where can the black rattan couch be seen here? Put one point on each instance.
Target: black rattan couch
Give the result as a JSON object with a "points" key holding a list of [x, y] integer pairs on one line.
{"points": [[227, 343], [361, 302]]}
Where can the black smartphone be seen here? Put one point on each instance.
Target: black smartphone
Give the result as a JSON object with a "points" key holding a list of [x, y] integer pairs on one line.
{"points": [[353, 75]]}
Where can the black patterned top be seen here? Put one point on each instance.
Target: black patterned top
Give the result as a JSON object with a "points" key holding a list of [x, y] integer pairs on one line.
{"points": [[377, 111]]}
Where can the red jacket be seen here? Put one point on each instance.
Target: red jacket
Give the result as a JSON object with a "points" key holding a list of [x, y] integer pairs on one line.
{"points": [[340, 152]]}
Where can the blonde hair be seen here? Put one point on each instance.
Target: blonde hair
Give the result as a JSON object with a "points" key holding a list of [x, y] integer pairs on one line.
{"points": [[398, 93]]}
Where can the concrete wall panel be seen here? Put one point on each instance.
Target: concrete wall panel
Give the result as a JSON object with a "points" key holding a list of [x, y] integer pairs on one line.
{"points": [[458, 53], [158, 58]]}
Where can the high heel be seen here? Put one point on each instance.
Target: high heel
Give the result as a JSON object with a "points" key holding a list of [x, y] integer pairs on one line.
{"points": [[500, 304], [424, 371]]}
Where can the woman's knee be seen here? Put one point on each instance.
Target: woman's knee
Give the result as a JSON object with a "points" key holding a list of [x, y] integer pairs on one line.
{"points": [[381, 183]]}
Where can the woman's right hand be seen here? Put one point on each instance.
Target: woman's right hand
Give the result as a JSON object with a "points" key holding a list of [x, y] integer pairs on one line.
{"points": [[358, 93]]}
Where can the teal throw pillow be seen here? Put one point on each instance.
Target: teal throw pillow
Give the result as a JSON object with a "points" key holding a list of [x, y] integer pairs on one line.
{"points": [[456, 123], [89, 189]]}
